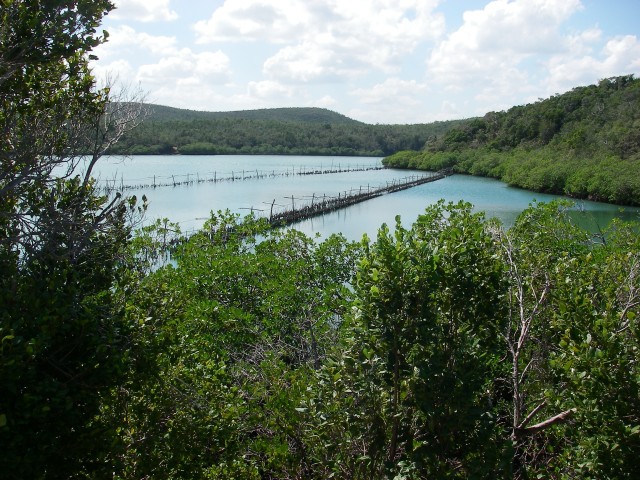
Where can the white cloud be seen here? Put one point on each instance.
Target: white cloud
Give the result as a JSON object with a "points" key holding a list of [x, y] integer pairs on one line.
{"points": [[326, 101], [620, 55], [251, 20], [389, 61], [124, 41], [117, 70], [391, 90], [159, 66], [269, 90], [255, 95], [395, 100], [582, 43], [188, 68], [499, 37], [500, 52], [449, 110], [311, 62], [125, 48], [271, 94], [144, 10], [505, 89], [326, 40]]}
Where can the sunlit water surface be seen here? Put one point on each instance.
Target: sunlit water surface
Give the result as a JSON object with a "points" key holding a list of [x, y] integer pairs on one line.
{"points": [[191, 204]]}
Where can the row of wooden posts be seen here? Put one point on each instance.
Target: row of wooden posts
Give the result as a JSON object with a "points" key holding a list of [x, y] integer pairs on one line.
{"points": [[213, 177], [322, 205]]}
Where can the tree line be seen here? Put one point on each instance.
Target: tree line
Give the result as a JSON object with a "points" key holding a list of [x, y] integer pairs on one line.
{"points": [[271, 131], [453, 348], [584, 143]]}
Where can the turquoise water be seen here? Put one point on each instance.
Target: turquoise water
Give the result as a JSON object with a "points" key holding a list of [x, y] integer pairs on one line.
{"points": [[191, 204]]}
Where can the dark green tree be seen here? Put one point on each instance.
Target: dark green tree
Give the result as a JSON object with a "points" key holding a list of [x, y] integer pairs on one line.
{"points": [[60, 240], [570, 342], [412, 386], [229, 336]]}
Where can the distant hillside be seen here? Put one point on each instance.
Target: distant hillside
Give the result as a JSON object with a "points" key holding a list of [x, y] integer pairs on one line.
{"points": [[160, 113], [301, 131], [584, 143]]}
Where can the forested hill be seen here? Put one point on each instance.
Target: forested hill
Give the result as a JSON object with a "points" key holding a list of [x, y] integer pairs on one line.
{"points": [[161, 113], [584, 143], [303, 131]]}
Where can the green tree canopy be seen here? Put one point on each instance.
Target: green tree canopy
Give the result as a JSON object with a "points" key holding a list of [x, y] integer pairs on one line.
{"points": [[60, 241]]}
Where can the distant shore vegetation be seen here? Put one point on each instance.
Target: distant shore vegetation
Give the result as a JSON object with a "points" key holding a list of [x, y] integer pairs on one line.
{"points": [[584, 144], [279, 131]]}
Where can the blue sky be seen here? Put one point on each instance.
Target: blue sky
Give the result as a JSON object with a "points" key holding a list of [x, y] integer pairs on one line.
{"points": [[377, 61]]}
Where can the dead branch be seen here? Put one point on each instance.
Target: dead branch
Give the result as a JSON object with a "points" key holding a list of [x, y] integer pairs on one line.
{"points": [[533, 429]]}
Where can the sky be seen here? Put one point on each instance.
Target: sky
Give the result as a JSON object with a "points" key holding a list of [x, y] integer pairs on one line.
{"points": [[376, 61]]}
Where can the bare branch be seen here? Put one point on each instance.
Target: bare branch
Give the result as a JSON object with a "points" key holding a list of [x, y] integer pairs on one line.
{"points": [[533, 429], [532, 414], [632, 299], [124, 111]]}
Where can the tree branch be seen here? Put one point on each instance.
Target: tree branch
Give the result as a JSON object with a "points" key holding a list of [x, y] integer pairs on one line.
{"points": [[533, 429], [532, 414]]}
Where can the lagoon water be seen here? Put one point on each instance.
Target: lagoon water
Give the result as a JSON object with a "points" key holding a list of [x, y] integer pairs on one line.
{"points": [[279, 180]]}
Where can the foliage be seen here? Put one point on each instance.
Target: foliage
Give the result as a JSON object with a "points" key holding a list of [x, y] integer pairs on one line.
{"points": [[413, 380], [271, 131], [583, 143], [229, 336], [570, 402], [596, 367], [60, 242], [449, 349], [322, 116]]}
